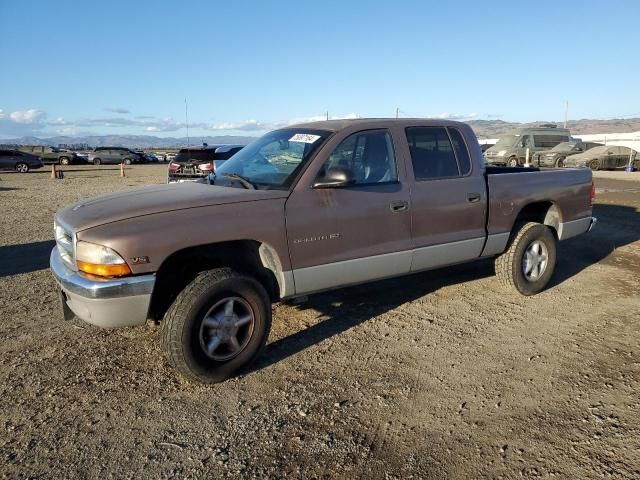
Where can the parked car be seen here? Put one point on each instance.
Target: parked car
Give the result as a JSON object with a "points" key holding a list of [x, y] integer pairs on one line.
{"points": [[19, 161], [194, 164], [304, 209], [113, 155], [170, 156], [556, 156], [50, 154], [83, 157], [146, 157], [604, 158], [511, 149]]}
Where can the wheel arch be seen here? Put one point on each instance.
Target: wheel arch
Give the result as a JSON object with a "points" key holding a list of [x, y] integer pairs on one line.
{"points": [[257, 259], [546, 212]]}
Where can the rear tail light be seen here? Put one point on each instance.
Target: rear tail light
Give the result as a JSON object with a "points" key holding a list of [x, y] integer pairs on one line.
{"points": [[174, 167], [207, 166]]}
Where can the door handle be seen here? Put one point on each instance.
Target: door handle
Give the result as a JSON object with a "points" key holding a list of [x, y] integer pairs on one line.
{"points": [[473, 197], [400, 206]]}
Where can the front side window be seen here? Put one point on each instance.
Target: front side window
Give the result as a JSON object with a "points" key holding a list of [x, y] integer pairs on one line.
{"points": [[274, 160], [432, 154], [368, 155]]}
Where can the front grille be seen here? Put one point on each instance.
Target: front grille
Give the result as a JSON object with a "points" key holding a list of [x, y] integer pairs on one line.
{"points": [[64, 244]]}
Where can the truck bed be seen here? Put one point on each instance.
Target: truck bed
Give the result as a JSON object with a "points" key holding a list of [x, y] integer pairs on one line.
{"points": [[510, 189]]}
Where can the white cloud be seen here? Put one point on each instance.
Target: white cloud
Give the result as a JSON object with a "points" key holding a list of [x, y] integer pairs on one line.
{"points": [[116, 110], [28, 116], [246, 126], [457, 116], [22, 122], [258, 126]]}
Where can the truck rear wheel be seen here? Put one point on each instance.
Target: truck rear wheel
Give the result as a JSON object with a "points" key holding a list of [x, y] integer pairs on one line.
{"points": [[217, 325], [528, 263], [513, 162]]}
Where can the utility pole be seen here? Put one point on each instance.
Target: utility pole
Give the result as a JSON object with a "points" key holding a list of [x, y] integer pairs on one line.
{"points": [[186, 118], [327, 115], [566, 113], [397, 112]]}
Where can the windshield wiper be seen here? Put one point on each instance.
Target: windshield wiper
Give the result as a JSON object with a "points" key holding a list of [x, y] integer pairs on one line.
{"points": [[246, 183]]}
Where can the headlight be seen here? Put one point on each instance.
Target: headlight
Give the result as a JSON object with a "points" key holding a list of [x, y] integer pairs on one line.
{"points": [[100, 260], [501, 153]]}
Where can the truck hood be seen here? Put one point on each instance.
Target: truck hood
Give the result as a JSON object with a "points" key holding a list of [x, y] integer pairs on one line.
{"points": [[156, 199]]}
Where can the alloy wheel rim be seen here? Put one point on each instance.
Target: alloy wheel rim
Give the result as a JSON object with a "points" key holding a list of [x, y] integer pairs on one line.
{"points": [[535, 260], [226, 328]]}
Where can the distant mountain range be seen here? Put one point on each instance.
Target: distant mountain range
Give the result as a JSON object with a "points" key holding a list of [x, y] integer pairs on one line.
{"points": [[483, 129], [128, 141], [496, 128]]}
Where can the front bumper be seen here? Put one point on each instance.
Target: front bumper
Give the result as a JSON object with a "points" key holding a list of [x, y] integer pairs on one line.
{"points": [[122, 302]]}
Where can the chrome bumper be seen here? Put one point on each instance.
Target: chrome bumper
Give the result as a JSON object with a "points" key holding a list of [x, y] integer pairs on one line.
{"points": [[109, 303]]}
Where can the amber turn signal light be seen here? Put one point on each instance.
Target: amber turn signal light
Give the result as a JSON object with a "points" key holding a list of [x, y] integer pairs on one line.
{"points": [[115, 270]]}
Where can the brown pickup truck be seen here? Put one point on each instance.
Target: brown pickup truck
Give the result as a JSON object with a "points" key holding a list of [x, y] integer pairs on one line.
{"points": [[303, 209]]}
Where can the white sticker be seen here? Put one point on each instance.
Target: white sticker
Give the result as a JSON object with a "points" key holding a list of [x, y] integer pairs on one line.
{"points": [[304, 138]]}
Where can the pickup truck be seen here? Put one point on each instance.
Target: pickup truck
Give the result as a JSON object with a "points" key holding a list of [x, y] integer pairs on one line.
{"points": [[304, 209]]}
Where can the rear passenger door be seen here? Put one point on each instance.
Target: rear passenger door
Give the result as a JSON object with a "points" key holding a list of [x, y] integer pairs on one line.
{"points": [[448, 198]]}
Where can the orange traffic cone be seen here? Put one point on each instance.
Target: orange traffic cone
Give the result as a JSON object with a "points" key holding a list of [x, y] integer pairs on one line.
{"points": [[122, 170]]}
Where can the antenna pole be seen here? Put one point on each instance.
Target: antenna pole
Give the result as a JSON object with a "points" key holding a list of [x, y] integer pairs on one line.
{"points": [[186, 118], [566, 113], [397, 111]]}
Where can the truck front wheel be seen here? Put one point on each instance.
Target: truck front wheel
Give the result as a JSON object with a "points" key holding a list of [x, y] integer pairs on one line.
{"points": [[217, 325], [528, 263]]}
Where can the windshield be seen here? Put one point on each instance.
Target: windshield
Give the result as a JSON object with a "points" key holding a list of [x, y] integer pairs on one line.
{"points": [[273, 160], [507, 141], [564, 147]]}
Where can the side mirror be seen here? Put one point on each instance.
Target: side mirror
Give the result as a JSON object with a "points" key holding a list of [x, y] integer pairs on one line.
{"points": [[337, 177]]}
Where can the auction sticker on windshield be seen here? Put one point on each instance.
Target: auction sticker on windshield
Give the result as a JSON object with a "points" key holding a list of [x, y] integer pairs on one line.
{"points": [[304, 138]]}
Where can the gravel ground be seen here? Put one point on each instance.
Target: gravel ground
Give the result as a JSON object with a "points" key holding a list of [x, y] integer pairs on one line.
{"points": [[442, 374]]}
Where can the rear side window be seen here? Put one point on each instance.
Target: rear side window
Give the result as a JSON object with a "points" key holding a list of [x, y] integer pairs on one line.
{"points": [[549, 141], [432, 154], [461, 150]]}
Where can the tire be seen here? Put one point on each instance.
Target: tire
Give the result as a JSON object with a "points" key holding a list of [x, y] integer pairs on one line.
{"points": [[636, 165], [97, 161], [594, 164], [185, 336], [511, 266], [513, 162], [64, 161], [127, 161], [22, 167], [560, 163]]}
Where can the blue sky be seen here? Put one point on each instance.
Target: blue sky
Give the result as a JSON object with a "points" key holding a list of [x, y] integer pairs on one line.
{"points": [[84, 67]]}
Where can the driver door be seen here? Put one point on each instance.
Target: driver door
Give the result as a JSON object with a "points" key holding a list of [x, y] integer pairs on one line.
{"points": [[352, 233]]}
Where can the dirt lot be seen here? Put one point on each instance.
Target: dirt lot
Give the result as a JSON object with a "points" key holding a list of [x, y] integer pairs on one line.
{"points": [[442, 374]]}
